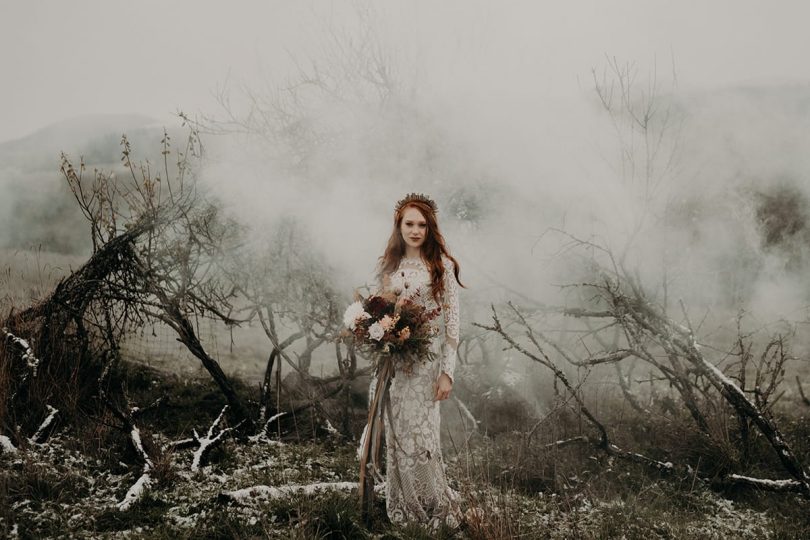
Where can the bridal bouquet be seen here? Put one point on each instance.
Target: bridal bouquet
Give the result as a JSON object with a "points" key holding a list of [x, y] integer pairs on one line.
{"points": [[386, 325]]}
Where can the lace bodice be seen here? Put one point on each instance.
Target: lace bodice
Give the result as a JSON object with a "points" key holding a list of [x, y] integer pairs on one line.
{"points": [[411, 276]]}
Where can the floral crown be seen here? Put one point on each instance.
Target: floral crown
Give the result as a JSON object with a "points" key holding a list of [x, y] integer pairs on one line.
{"points": [[417, 197]]}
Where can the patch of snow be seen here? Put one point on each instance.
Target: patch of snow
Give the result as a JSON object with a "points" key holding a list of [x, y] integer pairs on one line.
{"points": [[184, 521], [269, 492]]}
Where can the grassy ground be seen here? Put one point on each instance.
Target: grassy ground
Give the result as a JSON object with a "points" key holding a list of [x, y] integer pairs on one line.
{"points": [[28, 275], [511, 487], [70, 486], [52, 492]]}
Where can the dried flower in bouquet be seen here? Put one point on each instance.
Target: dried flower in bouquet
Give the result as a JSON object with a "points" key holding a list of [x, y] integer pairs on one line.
{"points": [[388, 325]]}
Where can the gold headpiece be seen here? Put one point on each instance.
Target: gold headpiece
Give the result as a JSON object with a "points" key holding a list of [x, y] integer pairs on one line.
{"points": [[412, 197]]}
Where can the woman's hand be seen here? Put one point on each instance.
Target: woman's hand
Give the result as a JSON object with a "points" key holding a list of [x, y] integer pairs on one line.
{"points": [[443, 387]]}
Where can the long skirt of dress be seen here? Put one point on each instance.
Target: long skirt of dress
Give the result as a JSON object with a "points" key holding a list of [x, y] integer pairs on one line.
{"points": [[416, 487]]}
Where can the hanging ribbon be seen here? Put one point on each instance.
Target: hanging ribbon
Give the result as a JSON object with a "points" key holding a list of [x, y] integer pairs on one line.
{"points": [[371, 443]]}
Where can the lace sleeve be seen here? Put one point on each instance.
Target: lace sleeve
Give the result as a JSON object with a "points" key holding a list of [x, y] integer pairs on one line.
{"points": [[451, 319]]}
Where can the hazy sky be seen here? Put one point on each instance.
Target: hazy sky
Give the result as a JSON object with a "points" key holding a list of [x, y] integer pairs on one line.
{"points": [[65, 59]]}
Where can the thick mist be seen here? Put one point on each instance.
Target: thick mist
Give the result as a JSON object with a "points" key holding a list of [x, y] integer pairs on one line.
{"points": [[494, 112], [520, 176]]}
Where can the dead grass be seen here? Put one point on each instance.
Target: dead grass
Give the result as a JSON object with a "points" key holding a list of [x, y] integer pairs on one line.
{"points": [[27, 276], [510, 489]]}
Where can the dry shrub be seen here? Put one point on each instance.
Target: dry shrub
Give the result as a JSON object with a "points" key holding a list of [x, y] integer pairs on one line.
{"points": [[502, 410], [163, 470], [5, 388], [67, 379], [490, 515]]}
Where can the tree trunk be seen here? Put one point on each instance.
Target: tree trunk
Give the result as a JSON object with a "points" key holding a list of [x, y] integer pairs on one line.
{"points": [[189, 338]]}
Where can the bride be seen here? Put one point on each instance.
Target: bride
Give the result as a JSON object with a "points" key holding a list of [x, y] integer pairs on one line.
{"points": [[416, 260]]}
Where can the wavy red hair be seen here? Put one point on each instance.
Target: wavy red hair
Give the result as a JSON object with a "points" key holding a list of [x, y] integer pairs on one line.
{"points": [[432, 249]]}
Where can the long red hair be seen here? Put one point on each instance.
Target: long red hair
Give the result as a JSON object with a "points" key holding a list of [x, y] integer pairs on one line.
{"points": [[432, 249]]}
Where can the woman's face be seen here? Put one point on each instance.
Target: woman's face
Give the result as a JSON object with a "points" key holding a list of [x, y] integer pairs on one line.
{"points": [[413, 227]]}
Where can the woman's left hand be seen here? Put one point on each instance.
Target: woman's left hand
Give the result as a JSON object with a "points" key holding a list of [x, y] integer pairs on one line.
{"points": [[443, 387]]}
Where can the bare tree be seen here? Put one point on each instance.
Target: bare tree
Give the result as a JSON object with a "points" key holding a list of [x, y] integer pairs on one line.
{"points": [[308, 113], [158, 242], [645, 121], [673, 352]]}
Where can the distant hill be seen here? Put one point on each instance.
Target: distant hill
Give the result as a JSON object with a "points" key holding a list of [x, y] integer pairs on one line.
{"points": [[36, 207], [96, 137], [753, 136]]}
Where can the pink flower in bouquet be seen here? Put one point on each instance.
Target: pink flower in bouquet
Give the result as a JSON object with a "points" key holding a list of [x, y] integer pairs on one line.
{"points": [[387, 323], [405, 333]]}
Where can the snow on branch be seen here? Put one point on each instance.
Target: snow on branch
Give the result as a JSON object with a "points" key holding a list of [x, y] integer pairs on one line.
{"points": [[210, 440], [689, 350], [42, 432], [135, 438], [330, 428], [765, 484], [744, 407], [6, 446], [143, 482], [263, 493], [180, 444], [273, 419], [661, 466], [25, 349], [611, 449], [135, 412], [562, 443], [137, 490]]}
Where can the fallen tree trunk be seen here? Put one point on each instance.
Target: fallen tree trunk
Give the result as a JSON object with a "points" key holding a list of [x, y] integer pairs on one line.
{"points": [[682, 471], [675, 340], [679, 340]]}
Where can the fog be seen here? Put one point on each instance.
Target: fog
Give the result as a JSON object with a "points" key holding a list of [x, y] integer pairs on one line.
{"points": [[94, 56], [489, 108]]}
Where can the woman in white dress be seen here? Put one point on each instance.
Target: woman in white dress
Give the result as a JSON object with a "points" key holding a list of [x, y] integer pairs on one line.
{"points": [[416, 263]]}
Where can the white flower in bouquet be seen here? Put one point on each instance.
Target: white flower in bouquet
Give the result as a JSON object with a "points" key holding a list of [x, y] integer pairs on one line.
{"points": [[354, 313], [375, 331]]}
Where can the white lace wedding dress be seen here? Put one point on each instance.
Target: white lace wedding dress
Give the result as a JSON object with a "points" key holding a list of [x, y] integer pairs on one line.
{"points": [[416, 488]]}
